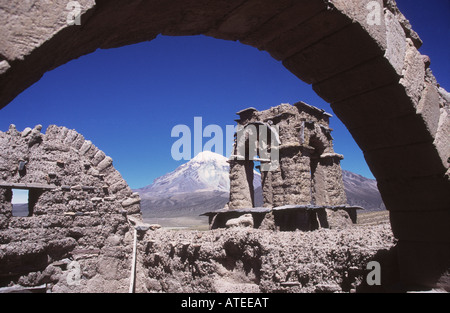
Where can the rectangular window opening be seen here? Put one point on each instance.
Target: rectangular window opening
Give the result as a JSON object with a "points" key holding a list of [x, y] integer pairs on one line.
{"points": [[20, 203]]}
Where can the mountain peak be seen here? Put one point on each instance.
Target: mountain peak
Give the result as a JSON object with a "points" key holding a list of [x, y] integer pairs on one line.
{"points": [[207, 177], [208, 171], [208, 156]]}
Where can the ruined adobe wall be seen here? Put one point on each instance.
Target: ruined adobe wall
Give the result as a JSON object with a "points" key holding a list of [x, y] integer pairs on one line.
{"points": [[377, 81], [309, 170], [242, 260], [86, 217]]}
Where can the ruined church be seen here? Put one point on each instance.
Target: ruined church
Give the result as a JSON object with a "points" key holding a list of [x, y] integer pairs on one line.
{"points": [[301, 176]]}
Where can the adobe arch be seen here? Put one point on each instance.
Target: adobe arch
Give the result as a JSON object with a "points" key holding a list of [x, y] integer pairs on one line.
{"points": [[377, 82]]}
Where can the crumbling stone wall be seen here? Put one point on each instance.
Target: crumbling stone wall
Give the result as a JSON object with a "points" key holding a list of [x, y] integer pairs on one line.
{"points": [[372, 73], [83, 211], [301, 176], [309, 170], [251, 260]]}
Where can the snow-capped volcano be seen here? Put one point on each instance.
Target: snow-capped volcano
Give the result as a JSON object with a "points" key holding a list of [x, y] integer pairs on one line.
{"points": [[203, 185], [208, 171]]}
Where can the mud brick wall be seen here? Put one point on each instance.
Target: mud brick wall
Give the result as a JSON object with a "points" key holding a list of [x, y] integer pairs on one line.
{"points": [[80, 210], [309, 171]]}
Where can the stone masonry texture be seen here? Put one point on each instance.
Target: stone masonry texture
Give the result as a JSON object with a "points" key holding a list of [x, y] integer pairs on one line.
{"points": [[378, 83]]}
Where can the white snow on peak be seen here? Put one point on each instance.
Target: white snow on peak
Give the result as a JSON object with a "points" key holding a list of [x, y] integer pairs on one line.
{"points": [[209, 156], [207, 171]]}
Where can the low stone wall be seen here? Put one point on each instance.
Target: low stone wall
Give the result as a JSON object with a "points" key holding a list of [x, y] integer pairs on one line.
{"points": [[286, 218], [249, 260]]}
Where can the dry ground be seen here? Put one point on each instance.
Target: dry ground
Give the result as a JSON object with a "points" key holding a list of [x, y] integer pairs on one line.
{"points": [[373, 218]]}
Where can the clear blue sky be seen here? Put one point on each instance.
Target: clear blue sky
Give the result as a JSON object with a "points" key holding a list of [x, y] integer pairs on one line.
{"points": [[127, 100]]}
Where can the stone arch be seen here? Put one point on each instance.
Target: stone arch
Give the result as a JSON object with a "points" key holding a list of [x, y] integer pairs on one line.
{"points": [[254, 142], [320, 145], [369, 69]]}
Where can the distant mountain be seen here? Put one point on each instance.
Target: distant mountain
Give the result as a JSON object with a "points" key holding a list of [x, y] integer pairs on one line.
{"points": [[191, 204], [208, 171], [202, 185], [362, 191], [20, 209]]}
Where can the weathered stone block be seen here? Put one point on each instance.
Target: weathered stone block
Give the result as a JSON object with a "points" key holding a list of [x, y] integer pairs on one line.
{"points": [[334, 54], [416, 194], [103, 165], [51, 132], [241, 185], [396, 42], [338, 219], [363, 78], [134, 209], [4, 222], [130, 201], [291, 198], [39, 22], [113, 177], [55, 146], [385, 133], [4, 67], [418, 160], [243, 221], [306, 34], [413, 74], [70, 137], [92, 152], [98, 157], [442, 139], [369, 14], [97, 200], [26, 132], [295, 15], [445, 97], [85, 147], [78, 142], [278, 200], [388, 102], [62, 134], [428, 108], [198, 17], [425, 264], [248, 17]]}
